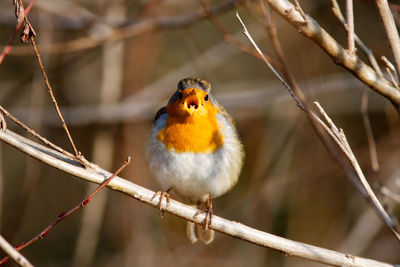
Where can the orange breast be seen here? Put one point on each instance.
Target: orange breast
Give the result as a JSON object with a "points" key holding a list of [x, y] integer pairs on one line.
{"points": [[196, 133]]}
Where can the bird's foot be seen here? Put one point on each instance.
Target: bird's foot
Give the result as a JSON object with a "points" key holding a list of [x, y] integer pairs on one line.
{"points": [[162, 194]]}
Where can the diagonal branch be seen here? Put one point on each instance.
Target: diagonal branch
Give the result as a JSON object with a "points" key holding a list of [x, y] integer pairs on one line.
{"points": [[144, 195]]}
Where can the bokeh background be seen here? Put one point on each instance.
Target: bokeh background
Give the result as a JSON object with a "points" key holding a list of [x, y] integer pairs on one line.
{"points": [[109, 92]]}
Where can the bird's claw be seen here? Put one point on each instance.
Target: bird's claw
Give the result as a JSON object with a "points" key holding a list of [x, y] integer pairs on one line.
{"points": [[162, 194]]}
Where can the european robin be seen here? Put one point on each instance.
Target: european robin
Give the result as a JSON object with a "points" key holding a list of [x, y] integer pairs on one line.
{"points": [[195, 151]]}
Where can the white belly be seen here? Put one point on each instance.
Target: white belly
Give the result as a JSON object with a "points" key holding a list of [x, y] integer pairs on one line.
{"points": [[195, 175]]}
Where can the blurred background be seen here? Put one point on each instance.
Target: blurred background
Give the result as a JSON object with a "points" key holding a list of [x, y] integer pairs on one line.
{"points": [[112, 64]]}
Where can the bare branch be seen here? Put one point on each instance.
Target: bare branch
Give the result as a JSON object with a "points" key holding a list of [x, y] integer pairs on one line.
{"points": [[234, 229], [341, 56], [339, 138]]}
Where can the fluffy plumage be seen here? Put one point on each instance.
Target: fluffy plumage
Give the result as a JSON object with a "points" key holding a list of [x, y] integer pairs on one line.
{"points": [[194, 147]]}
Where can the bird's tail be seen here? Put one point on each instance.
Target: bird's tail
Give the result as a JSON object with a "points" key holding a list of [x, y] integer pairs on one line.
{"points": [[196, 231]]}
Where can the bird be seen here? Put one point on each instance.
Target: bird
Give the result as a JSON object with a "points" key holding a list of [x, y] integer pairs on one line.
{"points": [[195, 151]]}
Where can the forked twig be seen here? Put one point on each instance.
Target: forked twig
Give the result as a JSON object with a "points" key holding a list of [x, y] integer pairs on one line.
{"points": [[338, 13], [8, 47], [63, 215]]}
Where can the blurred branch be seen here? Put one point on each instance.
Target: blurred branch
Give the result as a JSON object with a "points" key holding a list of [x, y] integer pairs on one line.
{"points": [[108, 34], [256, 95], [144, 195], [391, 71], [311, 29], [229, 38], [391, 30], [13, 253], [368, 131]]}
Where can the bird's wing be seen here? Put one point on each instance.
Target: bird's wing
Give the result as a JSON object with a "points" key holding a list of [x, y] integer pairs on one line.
{"points": [[160, 112]]}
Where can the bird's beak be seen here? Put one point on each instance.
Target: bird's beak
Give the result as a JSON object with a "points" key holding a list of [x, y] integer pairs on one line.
{"points": [[191, 104]]}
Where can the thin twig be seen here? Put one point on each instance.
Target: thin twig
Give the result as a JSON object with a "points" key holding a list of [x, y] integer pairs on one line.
{"points": [[46, 79], [392, 79], [368, 131], [271, 28], [231, 228], [14, 253], [300, 10], [229, 38], [8, 47], [29, 35], [131, 30], [298, 101], [338, 13], [38, 136], [390, 194], [64, 215], [345, 147], [391, 71], [350, 27], [390, 28]]}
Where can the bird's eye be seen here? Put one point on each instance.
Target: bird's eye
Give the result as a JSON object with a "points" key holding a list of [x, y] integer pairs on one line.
{"points": [[206, 98], [180, 96]]}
